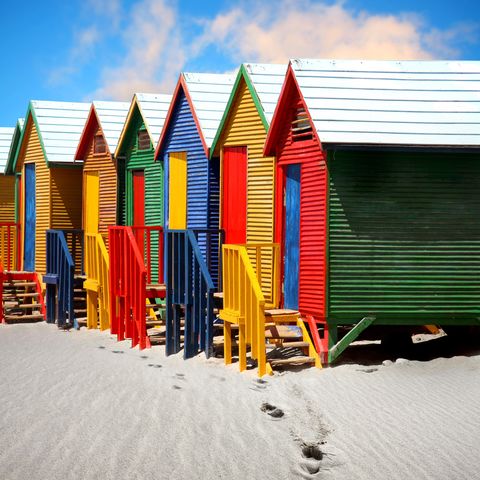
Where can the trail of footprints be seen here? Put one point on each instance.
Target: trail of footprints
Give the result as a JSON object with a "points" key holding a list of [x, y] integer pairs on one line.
{"points": [[311, 452]]}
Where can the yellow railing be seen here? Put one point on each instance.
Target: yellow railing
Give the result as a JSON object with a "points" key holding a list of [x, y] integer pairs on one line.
{"points": [[8, 245], [265, 258], [243, 305], [96, 284]]}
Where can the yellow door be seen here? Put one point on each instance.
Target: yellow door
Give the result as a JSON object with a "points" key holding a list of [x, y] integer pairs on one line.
{"points": [[177, 190], [91, 199]]}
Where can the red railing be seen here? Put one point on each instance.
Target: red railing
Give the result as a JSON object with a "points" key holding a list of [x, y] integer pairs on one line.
{"points": [[128, 283], [9, 251], [150, 244]]}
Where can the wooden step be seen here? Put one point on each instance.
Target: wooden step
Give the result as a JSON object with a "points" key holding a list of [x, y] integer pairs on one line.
{"points": [[23, 318], [280, 311], [19, 284], [218, 295], [274, 362], [283, 332], [80, 311], [27, 295], [295, 344], [25, 306]]}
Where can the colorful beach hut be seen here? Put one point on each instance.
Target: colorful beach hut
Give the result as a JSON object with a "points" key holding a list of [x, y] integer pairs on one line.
{"points": [[247, 176], [379, 167], [192, 202], [51, 182], [99, 201]]}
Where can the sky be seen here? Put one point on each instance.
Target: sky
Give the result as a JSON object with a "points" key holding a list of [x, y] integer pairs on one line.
{"points": [[84, 50]]}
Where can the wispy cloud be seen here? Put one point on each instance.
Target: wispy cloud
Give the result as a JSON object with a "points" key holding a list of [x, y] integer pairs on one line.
{"points": [[155, 42], [84, 43]]}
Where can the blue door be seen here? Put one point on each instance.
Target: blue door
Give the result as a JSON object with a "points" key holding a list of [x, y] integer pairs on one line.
{"points": [[30, 217], [292, 236]]}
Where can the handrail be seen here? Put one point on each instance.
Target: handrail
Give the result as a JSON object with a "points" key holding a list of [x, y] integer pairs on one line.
{"points": [[244, 305], [96, 284], [128, 282], [270, 286], [145, 241], [213, 253], [9, 251], [59, 280], [188, 283]]}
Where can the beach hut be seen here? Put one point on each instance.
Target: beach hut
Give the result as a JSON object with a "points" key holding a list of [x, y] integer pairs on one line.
{"points": [[99, 201], [247, 176], [141, 208], [8, 229], [51, 182], [379, 164], [192, 192], [9, 167]]}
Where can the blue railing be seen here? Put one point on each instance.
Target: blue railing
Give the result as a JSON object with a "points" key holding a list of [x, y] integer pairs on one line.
{"points": [[59, 279], [188, 285]]}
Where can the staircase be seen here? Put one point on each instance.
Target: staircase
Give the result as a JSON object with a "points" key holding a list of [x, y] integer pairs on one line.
{"points": [[64, 269], [190, 291], [136, 285], [274, 337], [21, 297]]}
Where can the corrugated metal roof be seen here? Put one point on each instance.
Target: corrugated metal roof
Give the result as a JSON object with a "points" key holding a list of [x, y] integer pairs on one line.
{"points": [[6, 136], [209, 94], [60, 126], [112, 116], [390, 102], [267, 79], [154, 109]]}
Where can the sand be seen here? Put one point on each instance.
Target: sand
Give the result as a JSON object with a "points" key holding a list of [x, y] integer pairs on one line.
{"points": [[79, 405]]}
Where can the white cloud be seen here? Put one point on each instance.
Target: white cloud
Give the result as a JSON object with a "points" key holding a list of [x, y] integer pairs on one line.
{"points": [[277, 31], [154, 53]]}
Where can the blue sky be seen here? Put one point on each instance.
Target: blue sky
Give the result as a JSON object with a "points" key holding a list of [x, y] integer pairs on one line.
{"points": [[81, 50]]}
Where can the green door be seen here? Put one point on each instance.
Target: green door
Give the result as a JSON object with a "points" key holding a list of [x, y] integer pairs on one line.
{"points": [[404, 237]]}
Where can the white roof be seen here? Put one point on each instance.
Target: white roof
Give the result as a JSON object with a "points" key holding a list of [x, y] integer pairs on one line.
{"points": [[61, 125], [209, 94], [267, 79], [154, 109], [112, 116], [390, 102], [6, 136]]}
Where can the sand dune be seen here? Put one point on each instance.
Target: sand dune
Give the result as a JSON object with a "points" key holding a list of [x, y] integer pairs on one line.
{"points": [[79, 405]]}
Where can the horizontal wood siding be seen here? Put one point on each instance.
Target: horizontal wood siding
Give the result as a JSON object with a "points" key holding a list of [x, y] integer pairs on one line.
{"points": [[313, 210], [66, 200], [245, 128], [404, 237], [107, 171], [7, 198]]}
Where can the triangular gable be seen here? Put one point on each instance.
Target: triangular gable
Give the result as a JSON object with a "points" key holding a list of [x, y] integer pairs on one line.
{"points": [[153, 110], [267, 95], [59, 126], [280, 116], [110, 118]]}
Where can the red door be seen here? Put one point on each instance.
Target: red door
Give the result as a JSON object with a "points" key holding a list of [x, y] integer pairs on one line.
{"points": [[234, 199], [138, 205]]}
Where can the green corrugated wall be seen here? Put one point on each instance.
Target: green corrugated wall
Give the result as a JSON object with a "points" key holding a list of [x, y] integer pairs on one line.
{"points": [[404, 237], [144, 160]]}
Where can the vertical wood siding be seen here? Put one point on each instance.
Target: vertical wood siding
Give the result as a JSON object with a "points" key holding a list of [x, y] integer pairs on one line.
{"points": [[32, 153], [245, 128], [313, 212], [107, 172], [7, 198]]}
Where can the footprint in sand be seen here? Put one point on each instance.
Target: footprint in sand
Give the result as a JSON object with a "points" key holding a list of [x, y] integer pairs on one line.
{"points": [[143, 357], [176, 387], [101, 347], [180, 376], [118, 351], [259, 385], [154, 365], [272, 410], [312, 457], [367, 370]]}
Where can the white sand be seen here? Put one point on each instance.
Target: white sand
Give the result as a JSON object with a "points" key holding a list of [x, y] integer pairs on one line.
{"points": [[78, 405]]}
